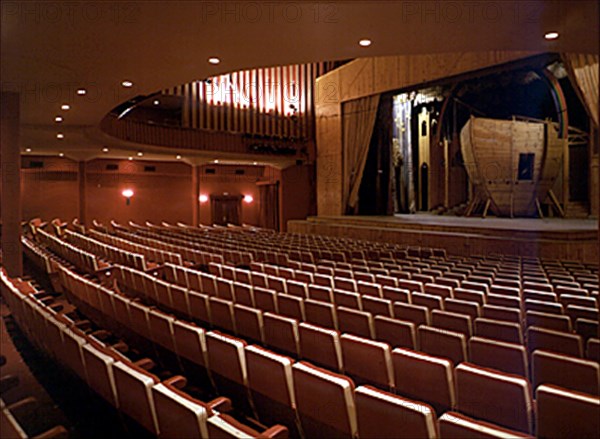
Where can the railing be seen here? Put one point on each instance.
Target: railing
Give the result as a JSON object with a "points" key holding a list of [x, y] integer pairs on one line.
{"points": [[199, 140]]}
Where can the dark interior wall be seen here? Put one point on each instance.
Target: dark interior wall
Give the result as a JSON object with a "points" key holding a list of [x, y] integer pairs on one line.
{"points": [[50, 191], [297, 194]]}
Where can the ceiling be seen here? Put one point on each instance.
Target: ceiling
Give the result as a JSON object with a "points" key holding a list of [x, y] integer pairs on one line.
{"points": [[50, 49]]}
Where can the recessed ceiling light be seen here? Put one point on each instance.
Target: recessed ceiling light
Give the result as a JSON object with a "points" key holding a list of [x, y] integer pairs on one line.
{"points": [[130, 158], [60, 136], [255, 163], [65, 107], [365, 42], [127, 84], [61, 154], [81, 91], [214, 60], [140, 153], [178, 157], [104, 149], [58, 119], [551, 35], [27, 149], [156, 102], [216, 161]]}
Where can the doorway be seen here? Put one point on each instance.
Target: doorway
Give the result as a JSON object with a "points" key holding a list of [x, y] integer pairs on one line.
{"points": [[226, 209]]}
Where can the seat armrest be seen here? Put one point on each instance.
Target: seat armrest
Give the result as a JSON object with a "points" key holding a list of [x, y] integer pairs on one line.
{"points": [[145, 363], [178, 381], [276, 431], [58, 432], [220, 404]]}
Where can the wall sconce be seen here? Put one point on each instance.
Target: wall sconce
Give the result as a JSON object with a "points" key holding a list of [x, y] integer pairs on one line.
{"points": [[127, 193], [203, 198], [248, 199]]}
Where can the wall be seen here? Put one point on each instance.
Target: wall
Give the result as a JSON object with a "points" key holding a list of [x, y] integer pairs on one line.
{"points": [[162, 195], [296, 196], [51, 191], [368, 76], [226, 181]]}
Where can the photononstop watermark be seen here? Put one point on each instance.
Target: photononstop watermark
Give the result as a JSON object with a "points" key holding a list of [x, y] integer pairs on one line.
{"points": [[71, 12]]}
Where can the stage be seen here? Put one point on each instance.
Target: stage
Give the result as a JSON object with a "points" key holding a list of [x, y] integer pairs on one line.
{"points": [[552, 238]]}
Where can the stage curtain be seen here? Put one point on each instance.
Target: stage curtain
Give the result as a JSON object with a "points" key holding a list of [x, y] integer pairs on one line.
{"points": [[585, 71], [358, 122], [269, 206]]}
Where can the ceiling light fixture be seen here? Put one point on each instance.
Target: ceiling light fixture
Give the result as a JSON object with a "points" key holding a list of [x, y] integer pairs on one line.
{"points": [[104, 150], [156, 102], [27, 149], [140, 153], [216, 161], [61, 154], [127, 84], [214, 60], [551, 35], [81, 91], [130, 158], [178, 157], [58, 119], [60, 136], [365, 42], [65, 107]]}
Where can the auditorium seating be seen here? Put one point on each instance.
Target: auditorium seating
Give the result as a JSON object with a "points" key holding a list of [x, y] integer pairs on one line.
{"points": [[293, 317]]}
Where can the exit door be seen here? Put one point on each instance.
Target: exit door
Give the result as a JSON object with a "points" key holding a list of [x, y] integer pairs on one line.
{"points": [[226, 209]]}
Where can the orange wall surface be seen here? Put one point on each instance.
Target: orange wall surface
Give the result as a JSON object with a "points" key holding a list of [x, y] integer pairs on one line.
{"points": [[162, 195]]}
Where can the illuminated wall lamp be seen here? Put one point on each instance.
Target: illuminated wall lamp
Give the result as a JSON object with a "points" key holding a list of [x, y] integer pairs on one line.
{"points": [[203, 198], [127, 193], [248, 199]]}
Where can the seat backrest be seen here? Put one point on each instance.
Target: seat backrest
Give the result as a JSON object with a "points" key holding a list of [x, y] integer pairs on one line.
{"points": [[221, 312], [321, 346], [443, 343], [355, 322], [565, 414], [100, 376], [321, 313], [134, 394], [281, 333], [265, 299], [367, 361], [271, 386], [505, 357], [554, 341], [249, 323], [417, 314], [177, 415], [457, 425], [494, 396], [470, 308], [498, 330], [452, 321], [378, 306], [424, 378], [548, 321], [190, 342], [387, 416], [325, 402], [569, 372], [291, 306], [396, 333]]}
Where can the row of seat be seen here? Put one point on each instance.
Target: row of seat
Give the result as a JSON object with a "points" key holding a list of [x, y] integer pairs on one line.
{"points": [[85, 261], [192, 256], [230, 362], [362, 312], [159, 406], [150, 252], [109, 252], [287, 334]]}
